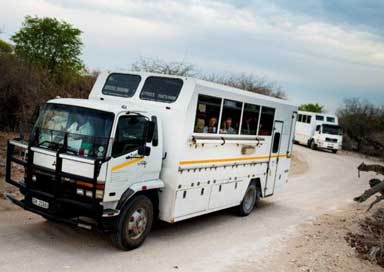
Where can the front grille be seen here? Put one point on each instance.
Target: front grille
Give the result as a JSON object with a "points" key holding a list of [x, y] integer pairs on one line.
{"points": [[331, 140]]}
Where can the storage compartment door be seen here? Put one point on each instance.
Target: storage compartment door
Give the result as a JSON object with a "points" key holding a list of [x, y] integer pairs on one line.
{"points": [[191, 201], [226, 194]]}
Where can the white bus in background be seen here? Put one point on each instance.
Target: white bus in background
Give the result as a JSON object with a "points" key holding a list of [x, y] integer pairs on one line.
{"points": [[318, 130], [145, 146]]}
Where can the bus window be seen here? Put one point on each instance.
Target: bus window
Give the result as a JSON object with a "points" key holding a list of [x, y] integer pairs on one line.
{"points": [[330, 119], [161, 89], [309, 119], [266, 121], [230, 118], [124, 85], [319, 118], [207, 114], [300, 118], [250, 119]]}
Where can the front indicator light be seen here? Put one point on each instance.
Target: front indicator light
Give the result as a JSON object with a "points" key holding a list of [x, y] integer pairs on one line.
{"points": [[99, 194]]}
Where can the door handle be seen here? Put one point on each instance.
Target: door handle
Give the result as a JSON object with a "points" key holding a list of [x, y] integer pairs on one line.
{"points": [[144, 163]]}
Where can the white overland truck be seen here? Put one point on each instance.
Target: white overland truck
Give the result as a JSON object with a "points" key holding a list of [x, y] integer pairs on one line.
{"points": [[318, 131], [146, 146]]}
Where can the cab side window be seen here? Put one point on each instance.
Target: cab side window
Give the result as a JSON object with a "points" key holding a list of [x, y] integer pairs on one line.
{"points": [[129, 135]]}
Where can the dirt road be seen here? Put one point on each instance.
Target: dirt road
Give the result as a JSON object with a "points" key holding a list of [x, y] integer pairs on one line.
{"points": [[216, 242]]}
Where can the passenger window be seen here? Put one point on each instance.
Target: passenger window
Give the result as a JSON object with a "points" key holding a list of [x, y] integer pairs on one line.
{"points": [[300, 118], [319, 118], [129, 134], [124, 85], [318, 128], [161, 89], [309, 119], [266, 121], [331, 119], [207, 114], [250, 119], [276, 143], [230, 118]]}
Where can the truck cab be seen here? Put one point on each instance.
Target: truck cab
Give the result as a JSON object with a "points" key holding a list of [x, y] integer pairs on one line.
{"points": [[84, 160], [327, 136]]}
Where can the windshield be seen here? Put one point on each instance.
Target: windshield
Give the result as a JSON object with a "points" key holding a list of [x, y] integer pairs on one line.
{"points": [[80, 131], [333, 130]]}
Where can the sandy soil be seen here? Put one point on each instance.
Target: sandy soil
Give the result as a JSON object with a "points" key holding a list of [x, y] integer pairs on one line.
{"points": [[299, 229], [319, 245]]}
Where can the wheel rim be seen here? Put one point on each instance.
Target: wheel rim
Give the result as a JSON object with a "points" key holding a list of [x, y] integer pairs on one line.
{"points": [[249, 199], [137, 223]]}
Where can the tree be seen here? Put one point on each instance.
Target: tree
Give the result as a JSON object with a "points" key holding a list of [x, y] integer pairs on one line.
{"points": [[249, 83], [312, 107], [176, 68], [53, 44], [363, 123]]}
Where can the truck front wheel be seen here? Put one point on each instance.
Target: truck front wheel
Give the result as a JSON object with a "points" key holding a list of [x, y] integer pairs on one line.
{"points": [[134, 223], [313, 145]]}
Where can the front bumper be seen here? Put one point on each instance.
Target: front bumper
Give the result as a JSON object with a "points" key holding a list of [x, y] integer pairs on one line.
{"points": [[328, 145], [61, 203]]}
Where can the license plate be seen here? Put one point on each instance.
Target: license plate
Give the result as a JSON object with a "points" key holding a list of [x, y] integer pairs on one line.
{"points": [[40, 203]]}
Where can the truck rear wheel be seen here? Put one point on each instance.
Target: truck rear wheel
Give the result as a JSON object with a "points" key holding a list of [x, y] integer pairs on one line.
{"points": [[251, 196], [134, 223]]}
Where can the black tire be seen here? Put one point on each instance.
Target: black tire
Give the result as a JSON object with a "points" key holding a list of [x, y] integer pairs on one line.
{"points": [[313, 145], [249, 201], [334, 151], [139, 209]]}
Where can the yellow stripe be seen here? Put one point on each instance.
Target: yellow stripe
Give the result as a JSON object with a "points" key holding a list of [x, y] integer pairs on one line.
{"points": [[231, 159], [127, 163]]}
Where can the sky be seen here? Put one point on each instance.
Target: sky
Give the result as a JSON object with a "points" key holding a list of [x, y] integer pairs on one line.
{"points": [[316, 50]]}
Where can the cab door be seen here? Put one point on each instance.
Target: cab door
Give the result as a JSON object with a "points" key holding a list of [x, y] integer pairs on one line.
{"points": [[274, 158], [127, 166]]}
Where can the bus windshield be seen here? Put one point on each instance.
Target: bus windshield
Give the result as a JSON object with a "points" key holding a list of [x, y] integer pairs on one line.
{"points": [[332, 129], [76, 130]]}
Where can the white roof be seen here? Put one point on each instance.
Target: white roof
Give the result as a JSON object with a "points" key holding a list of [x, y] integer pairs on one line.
{"points": [[93, 104], [209, 84]]}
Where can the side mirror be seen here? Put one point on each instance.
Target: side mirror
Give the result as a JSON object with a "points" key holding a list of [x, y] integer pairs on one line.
{"points": [[149, 131], [144, 150]]}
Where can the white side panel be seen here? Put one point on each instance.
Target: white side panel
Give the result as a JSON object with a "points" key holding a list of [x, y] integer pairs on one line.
{"points": [[226, 194], [191, 201]]}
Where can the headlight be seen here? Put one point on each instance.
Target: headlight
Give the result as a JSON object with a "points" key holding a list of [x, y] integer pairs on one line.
{"points": [[80, 191], [88, 193]]}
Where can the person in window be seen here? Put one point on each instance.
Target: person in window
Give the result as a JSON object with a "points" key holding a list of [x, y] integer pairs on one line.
{"points": [[249, 126], [81, 125], [212, 126], [228, 129]]}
